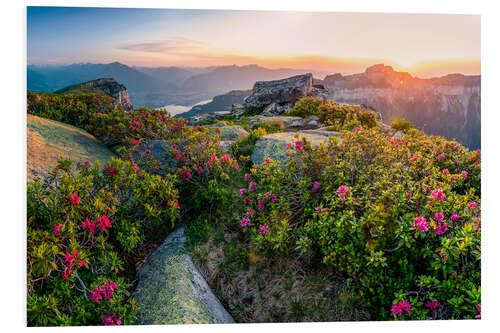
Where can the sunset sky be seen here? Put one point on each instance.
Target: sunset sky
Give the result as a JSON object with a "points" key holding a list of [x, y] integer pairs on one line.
{"points": [[423, 44]]}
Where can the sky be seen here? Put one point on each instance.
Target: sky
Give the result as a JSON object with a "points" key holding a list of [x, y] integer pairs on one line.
{"points": [[425, 45]]}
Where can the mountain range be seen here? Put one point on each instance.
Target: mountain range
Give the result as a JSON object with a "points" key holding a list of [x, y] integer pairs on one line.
{"points": [[156, 86]]}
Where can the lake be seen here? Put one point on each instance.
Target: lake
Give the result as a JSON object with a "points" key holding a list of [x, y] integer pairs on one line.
{"points": [[176, 109]]}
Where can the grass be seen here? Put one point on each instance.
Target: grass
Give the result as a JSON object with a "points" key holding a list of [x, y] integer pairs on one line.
{"points": [[272, 288]]}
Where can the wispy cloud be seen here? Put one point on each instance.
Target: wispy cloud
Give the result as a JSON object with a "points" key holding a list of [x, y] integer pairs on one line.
{"points": [[172, 45]]}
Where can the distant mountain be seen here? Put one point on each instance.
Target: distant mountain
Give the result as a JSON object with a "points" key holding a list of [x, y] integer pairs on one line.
{"points": [[174, 75], [139, 84], [223, 79]]}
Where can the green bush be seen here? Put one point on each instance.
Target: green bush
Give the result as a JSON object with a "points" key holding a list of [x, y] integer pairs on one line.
{"points": [[399, 217], [337, 117], [271, 126], [84, 229], [402, 125]]}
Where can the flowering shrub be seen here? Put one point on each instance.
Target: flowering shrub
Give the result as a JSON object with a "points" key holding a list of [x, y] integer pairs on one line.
{"points": [[103, 118], [400, 217], [84, 230], [402, 124], [336, 116]]}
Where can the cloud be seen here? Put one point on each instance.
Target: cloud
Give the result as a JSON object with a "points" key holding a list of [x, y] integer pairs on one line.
{"points": [[172, 45]]}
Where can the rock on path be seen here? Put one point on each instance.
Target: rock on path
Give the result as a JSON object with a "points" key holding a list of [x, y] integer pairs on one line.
{"points": [[171, 290]]}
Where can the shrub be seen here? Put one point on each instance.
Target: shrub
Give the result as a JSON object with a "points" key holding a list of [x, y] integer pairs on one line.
{"points": [[399, 217], [402, 125], [84, 229], [337, 117], [102, 117]]}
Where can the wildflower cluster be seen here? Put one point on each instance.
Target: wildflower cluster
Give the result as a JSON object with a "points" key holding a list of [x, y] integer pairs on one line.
{"points": [[82, 229]]}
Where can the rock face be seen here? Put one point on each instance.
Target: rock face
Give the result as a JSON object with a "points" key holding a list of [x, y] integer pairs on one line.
{"points": [[47, 140], [112, 88], [281, 92], [449, 106], [274, 145], [172, 291]]}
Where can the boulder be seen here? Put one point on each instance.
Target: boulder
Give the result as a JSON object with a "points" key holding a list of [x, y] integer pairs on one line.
{"points": [[285, 91], [48, 140], [274, 145], [171, 290], [232, 133]]}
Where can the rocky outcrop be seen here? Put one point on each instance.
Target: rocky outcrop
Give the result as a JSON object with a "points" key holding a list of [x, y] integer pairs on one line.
{"points": [[449, 106], [171, 290], [48, 140], [112, 88], [232, 133], [274, 145], [281, 92]]}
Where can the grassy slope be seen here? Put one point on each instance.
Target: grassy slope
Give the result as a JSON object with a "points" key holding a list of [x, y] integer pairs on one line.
{"points": [[47, 140]]}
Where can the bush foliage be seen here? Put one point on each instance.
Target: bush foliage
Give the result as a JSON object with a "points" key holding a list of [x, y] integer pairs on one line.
{"points": [[398, 217]]}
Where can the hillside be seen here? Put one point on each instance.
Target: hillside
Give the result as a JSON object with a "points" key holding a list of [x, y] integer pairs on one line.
{"points": [[106, 86]]}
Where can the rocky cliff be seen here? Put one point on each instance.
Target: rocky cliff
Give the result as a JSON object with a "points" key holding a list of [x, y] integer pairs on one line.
{"points": [[449, 106], [112, 88]]}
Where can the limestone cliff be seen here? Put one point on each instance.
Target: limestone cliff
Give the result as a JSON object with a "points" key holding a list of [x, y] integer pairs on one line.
{"points": [[449, 106]]}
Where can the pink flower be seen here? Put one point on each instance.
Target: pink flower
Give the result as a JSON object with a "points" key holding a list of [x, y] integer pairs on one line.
{"points": [[245, 222], [437, 195], [343, 191], [236, 166], [267, 160], [298, 145], [264, 229], [316, 186], [478, 310], [455, 217], [318, 209], [104, 222], [246, 201], [441, 229], [247, 176], [472, 205], [225, 159], [358, 129], [401, 306], [250, 212], [415, 156], [464, 174], [95, 296], [243, 191], [440, 157], [198, 170], [432, 305], [214, 159], [111, 320], [261, 205], [57, 229], [438, 217], [421, 224], [446, 171], [252, 186], [274, 198], [75, 200], [89, 225]]}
